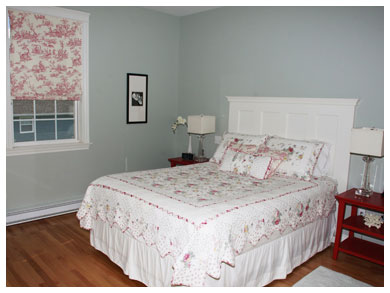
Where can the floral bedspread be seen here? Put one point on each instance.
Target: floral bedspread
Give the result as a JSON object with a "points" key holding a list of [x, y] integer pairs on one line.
{"points": [[201, 216]]}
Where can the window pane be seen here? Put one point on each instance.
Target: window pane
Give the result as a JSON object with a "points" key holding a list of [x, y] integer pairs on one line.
{"points": [[44, 109], [23, 109], [20, 137], [45, 130], [66, 116], [65, 107], [23, 106], [23, 117], [65, 129]]}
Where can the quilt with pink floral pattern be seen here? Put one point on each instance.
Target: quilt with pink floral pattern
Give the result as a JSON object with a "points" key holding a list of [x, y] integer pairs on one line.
{"points": [[202, 216]]}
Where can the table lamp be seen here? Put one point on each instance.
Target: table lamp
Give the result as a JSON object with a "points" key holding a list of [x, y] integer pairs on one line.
{"points": [[367, 142], [201, 125]]}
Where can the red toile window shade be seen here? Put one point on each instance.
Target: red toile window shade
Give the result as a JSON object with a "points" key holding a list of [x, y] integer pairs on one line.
{"points": [[45, 57]]}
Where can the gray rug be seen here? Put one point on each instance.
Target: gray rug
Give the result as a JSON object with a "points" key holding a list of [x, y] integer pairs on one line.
{"points": [[323, 277]]}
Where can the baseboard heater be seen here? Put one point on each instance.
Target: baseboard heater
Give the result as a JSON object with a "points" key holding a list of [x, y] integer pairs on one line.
{"points": [[28, 215]]}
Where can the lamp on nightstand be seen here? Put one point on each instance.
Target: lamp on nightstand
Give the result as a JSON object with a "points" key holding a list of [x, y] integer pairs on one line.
{"points": [[367, 142], [201, 125]]}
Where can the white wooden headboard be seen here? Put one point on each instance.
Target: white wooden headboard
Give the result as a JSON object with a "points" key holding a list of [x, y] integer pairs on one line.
{"points": [[328, 120]]}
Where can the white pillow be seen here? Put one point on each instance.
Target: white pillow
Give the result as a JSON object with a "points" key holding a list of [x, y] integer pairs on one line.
{"points": [[236, 137], [323, 163], [302, 158], [246, 164]]}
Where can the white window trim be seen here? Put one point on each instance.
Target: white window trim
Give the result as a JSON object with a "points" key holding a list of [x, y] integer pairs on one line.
{"points": [[82, 143]]}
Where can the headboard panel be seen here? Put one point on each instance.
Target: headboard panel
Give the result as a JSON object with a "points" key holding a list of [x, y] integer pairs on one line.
{"points": [[329, 120]]}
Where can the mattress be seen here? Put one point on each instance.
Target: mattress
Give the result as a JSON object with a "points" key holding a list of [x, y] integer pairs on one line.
{"points": [[202, 217]]}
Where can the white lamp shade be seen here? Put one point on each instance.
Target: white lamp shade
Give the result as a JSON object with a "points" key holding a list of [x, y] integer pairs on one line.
{"points": [[367, 141], [200, 124]]}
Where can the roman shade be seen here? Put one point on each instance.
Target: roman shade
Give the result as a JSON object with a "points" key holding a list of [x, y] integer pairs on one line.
{"points": [[45, 57]]}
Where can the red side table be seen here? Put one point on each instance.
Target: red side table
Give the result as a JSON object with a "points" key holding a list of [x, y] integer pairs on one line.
{"points": [[358, 247], [180, 161]]}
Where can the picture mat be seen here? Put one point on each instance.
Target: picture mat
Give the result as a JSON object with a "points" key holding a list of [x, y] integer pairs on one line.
{"points": [[137, 84]]}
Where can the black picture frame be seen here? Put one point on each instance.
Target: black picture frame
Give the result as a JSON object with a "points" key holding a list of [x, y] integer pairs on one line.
{"points": [[137, 98]]}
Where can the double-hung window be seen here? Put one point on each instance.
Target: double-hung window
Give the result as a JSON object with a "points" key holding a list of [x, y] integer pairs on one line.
{"points": [[47, 80]]}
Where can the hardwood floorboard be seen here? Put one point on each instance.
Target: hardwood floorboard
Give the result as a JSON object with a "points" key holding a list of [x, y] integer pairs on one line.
{"points": [[55, 252]]}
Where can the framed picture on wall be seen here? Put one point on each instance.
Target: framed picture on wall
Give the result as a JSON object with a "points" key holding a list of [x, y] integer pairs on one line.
{"points": [[137, 98]]}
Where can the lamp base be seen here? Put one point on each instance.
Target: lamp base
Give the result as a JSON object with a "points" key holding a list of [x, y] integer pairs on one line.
{"points": [[365, 189], [200, 159], [363, 192]]}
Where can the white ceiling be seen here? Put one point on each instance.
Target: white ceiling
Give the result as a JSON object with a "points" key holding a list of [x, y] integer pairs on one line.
{"points": [[181, 10]]}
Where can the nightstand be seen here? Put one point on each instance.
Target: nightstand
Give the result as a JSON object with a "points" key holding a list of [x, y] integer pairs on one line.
{"points": [[180, 161], [358, 247]]}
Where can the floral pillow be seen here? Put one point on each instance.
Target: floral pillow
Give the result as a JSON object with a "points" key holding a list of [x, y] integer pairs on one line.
{"points": [[245, 163], [302, 156], [277, 158], [228, 138]]}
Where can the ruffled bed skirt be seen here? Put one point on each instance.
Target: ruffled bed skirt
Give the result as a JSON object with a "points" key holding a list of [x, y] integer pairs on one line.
{"points": [[256, 267]]}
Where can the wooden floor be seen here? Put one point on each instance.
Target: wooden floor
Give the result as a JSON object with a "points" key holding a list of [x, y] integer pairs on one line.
{"points": [[56, 252]]}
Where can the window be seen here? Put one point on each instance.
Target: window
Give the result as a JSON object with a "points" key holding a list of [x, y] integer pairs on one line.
{"points": [[47, 80], [44, 120]]}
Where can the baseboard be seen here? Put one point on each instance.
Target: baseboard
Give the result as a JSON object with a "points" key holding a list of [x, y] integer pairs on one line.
{"points": [[42, 212]]}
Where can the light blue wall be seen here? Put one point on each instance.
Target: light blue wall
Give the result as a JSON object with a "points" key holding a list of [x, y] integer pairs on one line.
{"points": [[195, 61], [325, 52], [122, 40]]}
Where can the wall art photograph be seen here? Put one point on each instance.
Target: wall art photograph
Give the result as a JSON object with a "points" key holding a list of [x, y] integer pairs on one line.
{"points": [[137, 98]]}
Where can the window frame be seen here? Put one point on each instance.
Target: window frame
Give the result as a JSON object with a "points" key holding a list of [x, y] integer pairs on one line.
{"points": [[81, 141]]}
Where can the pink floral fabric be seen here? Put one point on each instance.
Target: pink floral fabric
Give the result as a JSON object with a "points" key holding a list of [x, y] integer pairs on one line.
{"points": [[242, 159], [277, 158], [201, 216], [246, 164], [302, 156], [45, 57], [228, 138]]}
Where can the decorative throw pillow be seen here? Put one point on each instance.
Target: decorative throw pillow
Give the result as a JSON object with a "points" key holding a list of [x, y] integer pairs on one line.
{"points": [[302, 156], [245, 163], [261, 167], [277, 158], [228, 138]]}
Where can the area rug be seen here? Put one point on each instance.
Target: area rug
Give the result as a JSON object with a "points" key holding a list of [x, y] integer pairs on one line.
{"points": [[323, 277]]}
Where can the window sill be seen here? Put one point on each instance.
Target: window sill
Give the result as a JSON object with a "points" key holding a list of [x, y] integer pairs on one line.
{"points": [[49, 148]]}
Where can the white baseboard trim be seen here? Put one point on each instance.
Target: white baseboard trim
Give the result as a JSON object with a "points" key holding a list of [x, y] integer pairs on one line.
{"points": [[42, 212]]}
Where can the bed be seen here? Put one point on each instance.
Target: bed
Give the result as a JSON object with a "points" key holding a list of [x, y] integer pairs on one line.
{"points": [[201, 225]]}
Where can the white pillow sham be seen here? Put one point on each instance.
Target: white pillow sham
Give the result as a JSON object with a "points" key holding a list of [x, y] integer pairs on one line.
{"points": [[323, 163], [236, 137], [302, 156]]}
